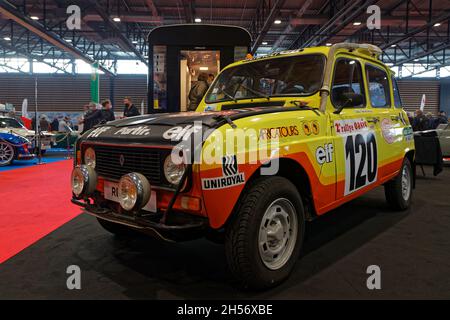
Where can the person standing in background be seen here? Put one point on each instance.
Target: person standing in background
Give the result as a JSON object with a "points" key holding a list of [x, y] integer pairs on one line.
{"points": [[44, 125], [92, 117], [211, 78], [442, 117], [130, 110], [197, 92], [54, 126], [107, 113]]}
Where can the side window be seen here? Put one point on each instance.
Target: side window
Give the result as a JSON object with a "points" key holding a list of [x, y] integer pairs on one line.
{"points": [[397, 99], [379, 91], [347, 79]]}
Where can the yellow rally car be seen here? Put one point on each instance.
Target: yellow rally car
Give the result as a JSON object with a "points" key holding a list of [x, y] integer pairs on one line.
{"points": [[277, 141]]}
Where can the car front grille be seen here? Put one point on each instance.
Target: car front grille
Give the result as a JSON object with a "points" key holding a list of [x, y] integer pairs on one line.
{"points": [[112, 162]]}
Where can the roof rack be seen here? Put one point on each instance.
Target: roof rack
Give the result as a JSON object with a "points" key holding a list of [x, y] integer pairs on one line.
{"points": [[364, 48]]}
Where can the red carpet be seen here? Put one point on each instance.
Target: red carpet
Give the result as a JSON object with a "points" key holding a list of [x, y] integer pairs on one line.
{"points": [[34, 201]]}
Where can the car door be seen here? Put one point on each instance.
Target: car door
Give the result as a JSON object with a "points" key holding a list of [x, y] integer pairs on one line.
{"points": [[389, 117], [353, 129]]}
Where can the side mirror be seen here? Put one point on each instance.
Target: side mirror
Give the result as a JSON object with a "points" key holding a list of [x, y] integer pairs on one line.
{"points": [[350, 100]]}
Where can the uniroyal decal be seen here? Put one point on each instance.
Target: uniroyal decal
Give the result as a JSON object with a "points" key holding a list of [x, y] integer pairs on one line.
{"points": [[231, 176], [138, 131], [278, 133], [350, 126], [181, 133]]}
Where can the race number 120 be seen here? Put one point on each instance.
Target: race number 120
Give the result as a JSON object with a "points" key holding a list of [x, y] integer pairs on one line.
{"points": [[361, 161]]}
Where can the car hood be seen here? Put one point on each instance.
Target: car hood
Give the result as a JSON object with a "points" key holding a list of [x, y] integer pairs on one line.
{"points": [[169, 128], [23, 132]]}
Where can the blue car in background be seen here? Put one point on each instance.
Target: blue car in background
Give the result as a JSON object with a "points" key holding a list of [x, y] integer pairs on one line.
{"points": [[14, 147]]}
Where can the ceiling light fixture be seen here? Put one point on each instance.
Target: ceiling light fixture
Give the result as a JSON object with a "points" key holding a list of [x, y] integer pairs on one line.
{"points": [[264, 43], [117, 19], [357, 23], [198, 20], [437, 24], [278, 21], [34, 18], [7, 38]]}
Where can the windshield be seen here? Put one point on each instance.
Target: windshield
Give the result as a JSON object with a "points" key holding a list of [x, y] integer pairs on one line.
{"points": [[295, 76], [10, 123]]}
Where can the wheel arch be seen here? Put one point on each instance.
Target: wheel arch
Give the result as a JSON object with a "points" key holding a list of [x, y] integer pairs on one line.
{"points": [[295, 173]]}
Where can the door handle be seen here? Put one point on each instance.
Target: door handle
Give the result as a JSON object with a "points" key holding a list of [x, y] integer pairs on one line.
{"points": [[395, 118], [373, 120]]}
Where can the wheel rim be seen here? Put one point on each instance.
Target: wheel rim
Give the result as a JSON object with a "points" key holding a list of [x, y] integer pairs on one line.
{"points": [[406, 183], [278, 234], [6, 153]]}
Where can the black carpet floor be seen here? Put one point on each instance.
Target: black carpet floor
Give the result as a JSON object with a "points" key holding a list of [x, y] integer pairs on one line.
{"points": [[412, 249]]}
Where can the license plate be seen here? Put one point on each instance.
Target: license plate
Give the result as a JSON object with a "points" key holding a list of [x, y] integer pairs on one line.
{"points": [[112, 193]]}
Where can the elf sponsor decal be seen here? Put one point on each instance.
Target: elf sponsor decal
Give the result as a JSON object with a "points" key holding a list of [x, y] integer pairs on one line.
{"points": [[387, 130], [231, 176], [278, 133], [408, 133], [350, 126], [181, 133], [325, 154], [98, 132], [138, 131]]}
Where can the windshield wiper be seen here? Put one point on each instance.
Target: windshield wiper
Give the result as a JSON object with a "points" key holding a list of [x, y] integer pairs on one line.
{"points": [[227, 119], [301, 105]]}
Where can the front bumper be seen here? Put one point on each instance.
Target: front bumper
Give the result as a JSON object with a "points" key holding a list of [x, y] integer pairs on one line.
{"points": [[182, 227]]}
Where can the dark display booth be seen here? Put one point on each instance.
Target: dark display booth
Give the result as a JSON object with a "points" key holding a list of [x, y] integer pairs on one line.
{"points": [[179, 53]]}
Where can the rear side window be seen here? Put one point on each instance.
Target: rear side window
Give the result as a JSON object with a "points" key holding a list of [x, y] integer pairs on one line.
{"points": [[347, 79], [379, 90], [397, 99]]}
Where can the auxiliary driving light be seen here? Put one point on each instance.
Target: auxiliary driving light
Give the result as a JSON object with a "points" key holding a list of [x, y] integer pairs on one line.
{"points": [[134, 191], [89, 158], [84, 180]]}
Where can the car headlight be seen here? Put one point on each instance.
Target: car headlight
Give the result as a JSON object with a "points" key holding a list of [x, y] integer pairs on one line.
{"points": [[84, 180], [173, 171], [134, 191], [89, 158]]}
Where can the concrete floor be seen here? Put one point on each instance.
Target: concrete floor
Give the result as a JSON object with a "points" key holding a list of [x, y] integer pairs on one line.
{"points": [[412, 249]]}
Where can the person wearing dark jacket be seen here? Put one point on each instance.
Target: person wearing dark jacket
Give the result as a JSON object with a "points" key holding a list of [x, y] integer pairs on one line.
{"points": [[197, 92], [54, 125], [92, 118], [107, 113], [130, 110]]}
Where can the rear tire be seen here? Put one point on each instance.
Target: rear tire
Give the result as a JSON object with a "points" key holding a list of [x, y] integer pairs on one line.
{"points": [[399, 191], [264, 238], [116, 229]]}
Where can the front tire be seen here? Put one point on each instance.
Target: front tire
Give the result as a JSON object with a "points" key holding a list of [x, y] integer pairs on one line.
{"points": [[264, 239], [399, 191], [7, 154]]}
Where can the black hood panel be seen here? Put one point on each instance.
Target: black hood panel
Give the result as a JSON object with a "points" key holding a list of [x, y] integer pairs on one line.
{"points": [[169, 128]]}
